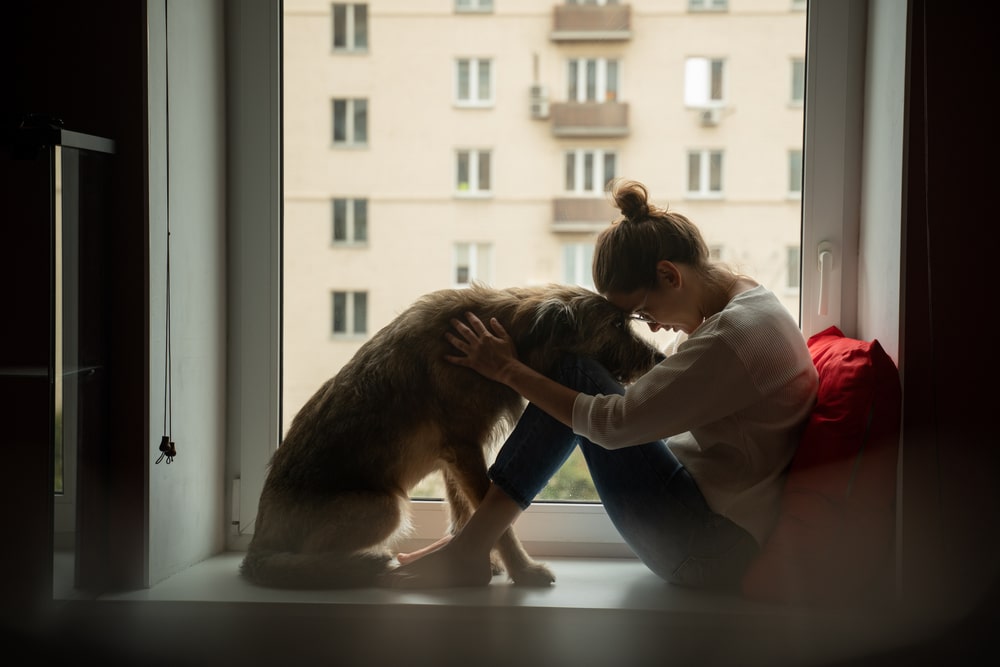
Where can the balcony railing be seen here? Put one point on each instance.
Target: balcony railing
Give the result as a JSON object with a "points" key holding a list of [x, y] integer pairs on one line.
{"points": [[575, 23], [582, 214], [589, 119]]}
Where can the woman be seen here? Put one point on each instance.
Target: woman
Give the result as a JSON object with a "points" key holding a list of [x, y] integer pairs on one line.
{"points": [[729, 402]]}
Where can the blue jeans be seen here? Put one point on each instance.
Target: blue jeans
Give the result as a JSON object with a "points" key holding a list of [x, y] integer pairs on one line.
{"points": [[651, 499]]}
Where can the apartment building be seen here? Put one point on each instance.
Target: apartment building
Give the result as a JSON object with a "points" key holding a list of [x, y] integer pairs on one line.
{"points": [[431, 143]]}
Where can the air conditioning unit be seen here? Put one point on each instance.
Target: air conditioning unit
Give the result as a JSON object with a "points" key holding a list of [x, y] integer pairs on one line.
{"points": [[539, 102], [711, 117]]}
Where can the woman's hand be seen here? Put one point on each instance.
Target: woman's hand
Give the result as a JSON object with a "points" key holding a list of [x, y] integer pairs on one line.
{"points": [[490, 353]]}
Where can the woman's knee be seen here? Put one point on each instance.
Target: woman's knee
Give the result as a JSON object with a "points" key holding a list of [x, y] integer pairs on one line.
{"points": [[583, 374]]}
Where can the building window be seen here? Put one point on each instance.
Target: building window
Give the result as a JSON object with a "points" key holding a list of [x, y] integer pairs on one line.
{"points": [[350, 313], [593, 80], [578, 261], [474, 81], [793, 258], [473, 5], [704, 173], [708, 5], [589, 171], [350, 122], [795, 173], [350, 27], [472, 172], [591, 2], [798, 81], [350, 221], [704, 82], [473, 262]]}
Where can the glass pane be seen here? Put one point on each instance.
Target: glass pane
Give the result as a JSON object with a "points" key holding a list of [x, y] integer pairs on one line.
{"points": [[339, 26], [463, 80], [360, 312], [339, 219], [405, 169], [360, 220], [339, 312], [360, 121], [795, 171], [360, 26]]}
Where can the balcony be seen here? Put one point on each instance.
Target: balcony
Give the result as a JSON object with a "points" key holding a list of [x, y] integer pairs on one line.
{"points": [[591, 23], [582, 214], [589, 119]]}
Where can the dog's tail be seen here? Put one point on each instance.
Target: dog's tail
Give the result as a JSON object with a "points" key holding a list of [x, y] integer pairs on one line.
{"points": [[285, 569]]}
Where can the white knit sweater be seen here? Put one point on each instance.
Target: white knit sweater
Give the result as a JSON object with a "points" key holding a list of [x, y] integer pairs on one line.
{"points": [[732, 400]]}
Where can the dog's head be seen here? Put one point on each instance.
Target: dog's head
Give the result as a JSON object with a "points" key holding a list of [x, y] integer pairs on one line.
{"points": [[574, 320]]}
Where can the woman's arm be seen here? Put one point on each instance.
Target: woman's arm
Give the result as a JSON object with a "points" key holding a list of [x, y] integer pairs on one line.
{"points": [[492, 355]]}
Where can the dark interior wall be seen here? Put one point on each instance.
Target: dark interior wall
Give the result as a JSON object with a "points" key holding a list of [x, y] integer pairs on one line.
{"points": [[950, 539], [83, 62]]}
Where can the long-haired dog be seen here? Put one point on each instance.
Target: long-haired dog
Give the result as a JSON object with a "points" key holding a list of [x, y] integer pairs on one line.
{"points": [[337, 489]]}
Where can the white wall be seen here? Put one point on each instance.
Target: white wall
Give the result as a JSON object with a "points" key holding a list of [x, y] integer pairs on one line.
{"points": [[186, 497], [882, 184]]}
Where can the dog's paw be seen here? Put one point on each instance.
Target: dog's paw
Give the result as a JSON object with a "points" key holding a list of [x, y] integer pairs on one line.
{"points": [[496, 564], [535, 574]]}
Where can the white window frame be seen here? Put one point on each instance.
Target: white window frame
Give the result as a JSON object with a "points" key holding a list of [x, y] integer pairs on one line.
{"points": [[350, 128], [350, 222], [699, 76], [831, 202], [598, 183], [476, 258], [708, 5], [476, 96], [605, 89], [472, 188], [704, 189], [351, 33]]}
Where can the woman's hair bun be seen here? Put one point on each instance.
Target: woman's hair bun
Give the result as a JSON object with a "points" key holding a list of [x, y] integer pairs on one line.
{"points": [[632, 199]]}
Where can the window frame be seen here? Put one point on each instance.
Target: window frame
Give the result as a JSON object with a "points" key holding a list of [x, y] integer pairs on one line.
{"points": [[474, 158], [705, 79], [705, 157], [835, 42], [478, 262], [577, 84], [350, 125], [350, 222], [350, 28], [479, 99], [579, 171]]}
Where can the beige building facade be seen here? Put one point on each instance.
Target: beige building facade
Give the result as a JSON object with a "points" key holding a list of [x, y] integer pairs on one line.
{"points": [[428, 143]]}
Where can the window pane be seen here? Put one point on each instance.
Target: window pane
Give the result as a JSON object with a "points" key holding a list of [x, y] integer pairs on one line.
{"points": [[360, 220], [694, 172], [716, 80], [609, 168], [571, 78], [360, 312], [360, 26], [591, 80], [339, 219], [612, 86], [570, 167], [339, 26], [462, 177], [360, 121], [463, 80], [795, 171], [798, 80], [715, 173], [484, 80], [339, 121], [339, 312], [484, 171]]}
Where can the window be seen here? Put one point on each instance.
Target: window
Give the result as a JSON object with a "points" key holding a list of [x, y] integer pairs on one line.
{"points": [[795, 173], [350, 313], [578, 258], [350, 122], [793, 263], [798, 81], [822, 86], [704, 173], [593, 80], [474, 81], [473, 262], [708, 5], [350, 221], [473, 5], [703, 82], [350, 27], [472, 172], [588, 172]]}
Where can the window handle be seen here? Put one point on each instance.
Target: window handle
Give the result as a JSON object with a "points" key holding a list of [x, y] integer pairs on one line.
{"points": [[825, 258]]}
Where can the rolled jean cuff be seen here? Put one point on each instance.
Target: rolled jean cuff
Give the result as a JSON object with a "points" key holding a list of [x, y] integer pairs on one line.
{"points": [[508, 488]]}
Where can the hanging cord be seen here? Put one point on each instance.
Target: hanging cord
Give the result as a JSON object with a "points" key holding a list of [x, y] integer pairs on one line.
{"points": [[167, 448]]}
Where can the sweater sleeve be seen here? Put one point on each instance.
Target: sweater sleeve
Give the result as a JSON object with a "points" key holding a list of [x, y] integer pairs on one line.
{"points": [[704, 381]]}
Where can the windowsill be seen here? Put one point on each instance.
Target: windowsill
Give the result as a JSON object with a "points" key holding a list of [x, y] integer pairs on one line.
{"points": [[599, 611]]}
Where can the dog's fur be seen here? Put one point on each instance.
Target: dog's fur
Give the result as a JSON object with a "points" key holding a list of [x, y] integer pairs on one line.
{"points": [[337, 489]]}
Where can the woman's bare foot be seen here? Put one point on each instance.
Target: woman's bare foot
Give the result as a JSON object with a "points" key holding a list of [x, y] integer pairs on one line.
{"points": [[443, 567], [406, 558]]}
